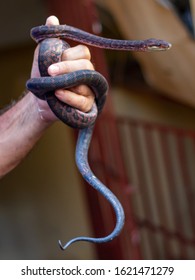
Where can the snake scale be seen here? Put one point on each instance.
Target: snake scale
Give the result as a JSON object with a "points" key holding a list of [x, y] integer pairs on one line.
{"points": [[52, 44]]}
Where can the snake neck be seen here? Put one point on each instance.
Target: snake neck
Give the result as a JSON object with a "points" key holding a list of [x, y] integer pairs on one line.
{"points": [[68, 32]]}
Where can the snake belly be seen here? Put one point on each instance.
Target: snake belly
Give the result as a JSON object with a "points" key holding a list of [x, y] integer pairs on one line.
{"points": [[50, 52]]}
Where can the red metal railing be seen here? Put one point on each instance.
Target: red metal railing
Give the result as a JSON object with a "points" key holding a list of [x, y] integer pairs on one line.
{"points": [[160, 164], [107, 162]]}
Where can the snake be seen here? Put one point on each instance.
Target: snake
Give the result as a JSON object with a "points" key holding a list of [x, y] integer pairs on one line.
{"points": [[52, 41]]}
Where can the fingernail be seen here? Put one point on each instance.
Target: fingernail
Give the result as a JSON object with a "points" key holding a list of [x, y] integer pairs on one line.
{"points": [[53, 69], [59, 93]]}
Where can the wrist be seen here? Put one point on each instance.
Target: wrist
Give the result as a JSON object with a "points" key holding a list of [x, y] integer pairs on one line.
{"points": [[20, 128], [41, 111]]}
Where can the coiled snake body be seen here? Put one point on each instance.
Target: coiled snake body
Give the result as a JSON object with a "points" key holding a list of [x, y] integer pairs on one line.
{"points": [[51, 47]]}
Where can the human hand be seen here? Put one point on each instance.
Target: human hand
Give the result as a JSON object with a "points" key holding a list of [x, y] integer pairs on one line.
{"points": [[73, 59]]}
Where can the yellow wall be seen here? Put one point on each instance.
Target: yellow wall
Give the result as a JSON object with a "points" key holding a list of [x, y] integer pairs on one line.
{"points": [[147, 105]]}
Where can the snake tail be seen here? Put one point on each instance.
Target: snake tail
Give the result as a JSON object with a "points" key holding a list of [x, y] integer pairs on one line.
{"points": [[82, 147], [52, 44]]}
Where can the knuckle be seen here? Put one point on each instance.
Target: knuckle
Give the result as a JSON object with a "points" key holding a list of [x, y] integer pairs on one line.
{"points": [[85, 52], [65, 67], [83, 104], [86, 104], [68, 99], [80, 89], [87, 64]]}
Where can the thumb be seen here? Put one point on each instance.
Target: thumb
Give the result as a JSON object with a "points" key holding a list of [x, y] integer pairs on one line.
{"points": [[52, 20]]}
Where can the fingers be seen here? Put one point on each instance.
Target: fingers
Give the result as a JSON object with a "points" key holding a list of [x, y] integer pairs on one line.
{"points": [[77, 52], [73, 59], [76, 58], [80, 97], [69, 66]]}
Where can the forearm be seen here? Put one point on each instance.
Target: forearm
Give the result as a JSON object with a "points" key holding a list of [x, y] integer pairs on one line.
{"points": [[22, 125], [20, 128]]}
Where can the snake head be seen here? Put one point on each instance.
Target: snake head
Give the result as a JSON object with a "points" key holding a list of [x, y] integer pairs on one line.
{"points": [[156, 45]]}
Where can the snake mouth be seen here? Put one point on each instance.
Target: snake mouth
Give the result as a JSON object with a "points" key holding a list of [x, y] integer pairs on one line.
{"points": [[157, 45], [169, 46], [160, 48]]}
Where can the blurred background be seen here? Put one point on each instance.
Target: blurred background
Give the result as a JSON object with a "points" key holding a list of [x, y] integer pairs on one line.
{"points": [[143, 146]]}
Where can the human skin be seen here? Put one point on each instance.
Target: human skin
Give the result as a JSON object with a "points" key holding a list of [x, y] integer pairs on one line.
{"points": [[23, 124]]}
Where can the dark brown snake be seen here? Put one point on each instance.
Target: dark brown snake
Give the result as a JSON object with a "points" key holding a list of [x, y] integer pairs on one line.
{"points": [[51, 47]]}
